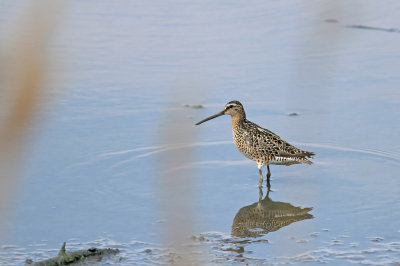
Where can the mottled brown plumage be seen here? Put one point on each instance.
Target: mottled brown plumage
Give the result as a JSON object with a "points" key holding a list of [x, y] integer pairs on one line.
{"points": [[259, 144]]}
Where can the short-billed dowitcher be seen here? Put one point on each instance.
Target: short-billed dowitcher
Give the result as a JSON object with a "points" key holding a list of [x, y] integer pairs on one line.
{"points": [[259, 144]]}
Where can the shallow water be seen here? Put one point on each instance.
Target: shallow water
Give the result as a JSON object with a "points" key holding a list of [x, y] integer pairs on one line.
{"points": [[92, 175]]}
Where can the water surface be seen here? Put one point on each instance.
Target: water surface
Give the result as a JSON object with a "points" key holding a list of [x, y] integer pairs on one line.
{"points": [[91, 177]]}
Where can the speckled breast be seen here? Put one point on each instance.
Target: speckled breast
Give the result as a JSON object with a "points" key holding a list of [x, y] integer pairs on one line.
{"points": [[249, 147]]}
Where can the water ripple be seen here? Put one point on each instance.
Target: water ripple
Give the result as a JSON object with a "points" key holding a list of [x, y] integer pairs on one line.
{"points": [[219, 249], [149, 151]]}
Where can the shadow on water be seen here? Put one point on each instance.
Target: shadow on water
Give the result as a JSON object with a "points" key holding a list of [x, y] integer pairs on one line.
{"points": [[250, 226], [266, 216]]}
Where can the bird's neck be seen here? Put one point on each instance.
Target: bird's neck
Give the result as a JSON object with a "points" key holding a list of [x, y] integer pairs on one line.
{"points": [[237, 120]]}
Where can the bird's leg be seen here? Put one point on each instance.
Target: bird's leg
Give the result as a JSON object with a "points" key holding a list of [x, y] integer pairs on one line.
{"points": [[268, 185], [267, 196], [260, 194], [261, 177]]}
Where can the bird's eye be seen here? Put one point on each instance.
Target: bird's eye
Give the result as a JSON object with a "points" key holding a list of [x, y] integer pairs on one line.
{"points": [[229, 106]]}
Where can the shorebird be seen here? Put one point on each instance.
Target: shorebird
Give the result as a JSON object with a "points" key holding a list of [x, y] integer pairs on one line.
{"points": [[259, 144]]}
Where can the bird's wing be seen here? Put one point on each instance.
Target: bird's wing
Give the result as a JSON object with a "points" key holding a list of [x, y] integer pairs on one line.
{"points": [[281, 147], [295, 153]]}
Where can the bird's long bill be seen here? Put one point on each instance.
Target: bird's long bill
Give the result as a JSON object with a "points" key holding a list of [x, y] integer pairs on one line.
{"points": [[211, 117]]}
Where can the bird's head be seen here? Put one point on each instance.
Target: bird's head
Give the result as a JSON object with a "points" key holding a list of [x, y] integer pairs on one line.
{"points": [[233, 108]]}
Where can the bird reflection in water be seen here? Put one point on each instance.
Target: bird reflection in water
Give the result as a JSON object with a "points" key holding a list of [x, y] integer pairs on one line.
{"points": [[266, 216]]}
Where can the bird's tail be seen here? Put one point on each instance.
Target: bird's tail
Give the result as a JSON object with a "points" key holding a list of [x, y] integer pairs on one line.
{"points": [[304, 155], [294, 158]]}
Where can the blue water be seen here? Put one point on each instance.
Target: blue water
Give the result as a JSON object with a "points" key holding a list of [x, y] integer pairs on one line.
{"points": [[92, 172]]}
